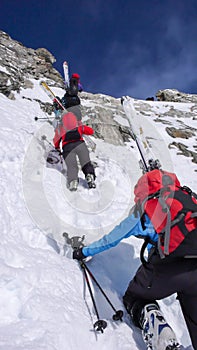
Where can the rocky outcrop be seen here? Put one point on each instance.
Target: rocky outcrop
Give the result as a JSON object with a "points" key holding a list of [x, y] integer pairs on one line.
{"points": [[18, 64], [184, 150], [106, 116], [184, 133], [173, 95]]}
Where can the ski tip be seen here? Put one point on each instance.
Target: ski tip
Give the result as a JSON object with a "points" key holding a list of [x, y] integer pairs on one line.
{"points": [[124, 98], [43, 83]]}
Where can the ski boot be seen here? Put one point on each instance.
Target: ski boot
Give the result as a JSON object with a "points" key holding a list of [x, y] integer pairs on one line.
{"points": [[156, 332], [90, 181], [73, 185]]}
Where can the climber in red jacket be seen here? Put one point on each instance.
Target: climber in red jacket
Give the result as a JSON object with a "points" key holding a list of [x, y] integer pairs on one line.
{"points": [[70, 135]]}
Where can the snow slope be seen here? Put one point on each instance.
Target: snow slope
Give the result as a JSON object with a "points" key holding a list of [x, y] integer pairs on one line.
{"points": [[44, 302]]}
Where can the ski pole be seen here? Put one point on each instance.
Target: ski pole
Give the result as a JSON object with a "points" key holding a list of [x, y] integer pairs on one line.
{"points": [[118, 313], [44, 138], [42, 118], [99, 325]]}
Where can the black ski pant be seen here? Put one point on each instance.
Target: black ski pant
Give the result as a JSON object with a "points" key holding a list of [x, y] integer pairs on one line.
{"points": [[157, 281], [72, 151]]}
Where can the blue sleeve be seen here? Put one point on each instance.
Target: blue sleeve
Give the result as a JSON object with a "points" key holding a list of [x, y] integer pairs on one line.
{"points": [[80, 87], [131, 226], [128, 227]]}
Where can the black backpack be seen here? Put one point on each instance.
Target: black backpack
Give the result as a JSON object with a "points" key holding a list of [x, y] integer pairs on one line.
{"points": [[73, 87], [70, 101], [72, 135]]}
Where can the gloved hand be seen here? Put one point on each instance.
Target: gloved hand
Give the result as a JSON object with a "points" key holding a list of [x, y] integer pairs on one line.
{"points": [[78, 254], [56, 104]]}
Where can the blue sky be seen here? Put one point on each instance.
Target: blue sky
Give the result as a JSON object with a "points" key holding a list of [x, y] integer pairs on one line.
{"points": [[119, 47]]}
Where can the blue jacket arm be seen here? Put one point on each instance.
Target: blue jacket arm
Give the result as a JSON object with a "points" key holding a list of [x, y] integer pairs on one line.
{"points": [[128, 227]]}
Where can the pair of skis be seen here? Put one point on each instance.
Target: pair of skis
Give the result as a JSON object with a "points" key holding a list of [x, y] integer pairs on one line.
{"points": [[66, 74], [148, 161]]}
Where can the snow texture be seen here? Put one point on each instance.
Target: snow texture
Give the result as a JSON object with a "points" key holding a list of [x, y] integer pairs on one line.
{"points": [[44, 301]]}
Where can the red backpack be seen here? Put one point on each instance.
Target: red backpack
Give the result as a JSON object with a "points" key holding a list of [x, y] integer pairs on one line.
{"points": [[70, 125], [172, 210]]}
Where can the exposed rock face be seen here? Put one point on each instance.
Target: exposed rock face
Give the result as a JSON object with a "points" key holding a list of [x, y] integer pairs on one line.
{"points": [[184, 133], [184, 150], [173, 95], [107, 118], [104, 113], [18, 64]]}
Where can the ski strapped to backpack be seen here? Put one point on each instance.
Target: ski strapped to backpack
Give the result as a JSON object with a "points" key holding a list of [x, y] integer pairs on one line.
{"points": [[172, 209], [71, 84], [51, 94], [90, 143], [148, 161], [66, 74]]}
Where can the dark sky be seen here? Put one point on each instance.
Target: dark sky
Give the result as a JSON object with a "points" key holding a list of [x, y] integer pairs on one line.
{"points": [[119, 47]]}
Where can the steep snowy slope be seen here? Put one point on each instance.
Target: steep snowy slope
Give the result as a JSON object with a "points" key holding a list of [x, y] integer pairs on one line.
{"points": [[44, 303]]}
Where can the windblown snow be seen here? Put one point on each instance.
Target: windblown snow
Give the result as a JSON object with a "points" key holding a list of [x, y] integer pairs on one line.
{"points": [[44, 301]]}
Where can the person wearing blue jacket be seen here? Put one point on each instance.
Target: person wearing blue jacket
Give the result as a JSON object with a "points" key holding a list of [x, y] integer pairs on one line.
{"points": [[154, 280]]}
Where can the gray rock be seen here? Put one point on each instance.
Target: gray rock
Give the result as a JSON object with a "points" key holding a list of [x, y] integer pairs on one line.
{"points": [[173, 95], [18, 64]]}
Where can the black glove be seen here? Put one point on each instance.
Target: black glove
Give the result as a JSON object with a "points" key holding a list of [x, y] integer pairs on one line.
{"points": [[78, 254], [56, 104]]}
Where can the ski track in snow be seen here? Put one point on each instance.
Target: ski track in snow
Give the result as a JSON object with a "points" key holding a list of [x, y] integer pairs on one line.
{"points": [[44, 303]]}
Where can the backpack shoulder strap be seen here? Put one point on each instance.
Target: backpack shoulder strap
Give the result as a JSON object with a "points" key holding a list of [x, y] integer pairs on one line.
{"points": [[147, 241]]}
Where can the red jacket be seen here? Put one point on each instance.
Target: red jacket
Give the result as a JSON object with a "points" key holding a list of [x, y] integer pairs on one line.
{"points": [[70, 127]]}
